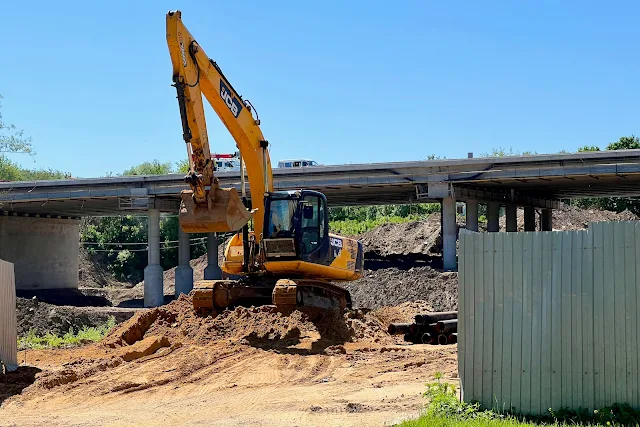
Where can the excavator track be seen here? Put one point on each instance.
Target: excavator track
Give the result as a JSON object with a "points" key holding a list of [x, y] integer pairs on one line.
{"points": [[212, 296]]}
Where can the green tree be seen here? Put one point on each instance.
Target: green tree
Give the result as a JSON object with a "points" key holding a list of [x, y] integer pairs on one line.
{"points": [[150, 168], [503, 152], [12, 139], [625, 143], [588, 148]]}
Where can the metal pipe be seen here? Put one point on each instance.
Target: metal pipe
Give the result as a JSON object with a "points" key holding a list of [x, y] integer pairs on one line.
{"points": [[452, 338], [436, 316], [399, 328], [447, 326], [442, 339], [428, 338]]}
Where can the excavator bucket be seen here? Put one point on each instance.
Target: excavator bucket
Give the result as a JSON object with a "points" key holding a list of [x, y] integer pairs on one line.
{"points": [[225, 212]]}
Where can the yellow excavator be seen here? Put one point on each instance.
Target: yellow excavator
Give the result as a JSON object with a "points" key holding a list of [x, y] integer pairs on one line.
{"points": [[290, 258]]}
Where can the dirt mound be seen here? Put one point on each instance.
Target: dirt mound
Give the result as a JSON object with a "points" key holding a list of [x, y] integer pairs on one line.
{"points": [[418, 237], [93, 272], [178, 322], [393, 286], [45, 318]]}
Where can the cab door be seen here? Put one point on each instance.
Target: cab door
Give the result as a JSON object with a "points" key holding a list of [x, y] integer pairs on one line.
{"points": [[313, 230]]}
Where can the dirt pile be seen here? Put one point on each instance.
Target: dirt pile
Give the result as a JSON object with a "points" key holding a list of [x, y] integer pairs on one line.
{"points": [[419, 237], [46, 318], [93, 272], [393, 286], [178, 322]]}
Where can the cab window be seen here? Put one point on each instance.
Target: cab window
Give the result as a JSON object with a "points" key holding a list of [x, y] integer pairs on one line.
{"points": [[281, 218], [312, 223], [296, 164], [305, 164]]}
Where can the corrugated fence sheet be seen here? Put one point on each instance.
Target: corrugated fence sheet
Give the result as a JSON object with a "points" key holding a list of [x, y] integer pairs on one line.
{"points": [[550, 319], [8, 322]]}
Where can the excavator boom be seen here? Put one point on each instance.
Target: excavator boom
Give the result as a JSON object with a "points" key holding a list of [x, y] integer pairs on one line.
{"points": [[206, 207]]}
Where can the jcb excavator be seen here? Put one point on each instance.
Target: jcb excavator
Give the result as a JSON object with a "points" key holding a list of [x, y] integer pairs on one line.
{"points": [[289, 258]]}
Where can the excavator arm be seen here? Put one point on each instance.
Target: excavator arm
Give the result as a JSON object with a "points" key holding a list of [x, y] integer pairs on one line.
{"points": [[206, 207]]}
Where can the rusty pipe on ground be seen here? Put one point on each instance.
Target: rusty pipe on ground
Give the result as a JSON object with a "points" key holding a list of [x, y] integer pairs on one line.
{"points": [[452, 338], [399, 328], [432, 317], [447, 326], [428, 338], [442, 339]]}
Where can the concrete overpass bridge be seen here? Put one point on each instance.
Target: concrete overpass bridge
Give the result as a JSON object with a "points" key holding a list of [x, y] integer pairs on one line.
{"points": [[39, 219]]}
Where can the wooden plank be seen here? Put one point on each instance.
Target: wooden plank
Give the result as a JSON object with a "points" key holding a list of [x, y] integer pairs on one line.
{"points": [[507, 325], [576, 318], [630, 310], [565, 327], [587, 320], [498, 310], [547, 330], [518, 309], [527, 277], [478, 338], [619, 331], [556, 322], [609, 316], [599, 372], [536, 323], [489, 309]]}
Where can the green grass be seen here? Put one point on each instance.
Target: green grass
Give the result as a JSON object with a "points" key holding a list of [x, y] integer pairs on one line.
{"points": [[445, 410], [70, 339]]}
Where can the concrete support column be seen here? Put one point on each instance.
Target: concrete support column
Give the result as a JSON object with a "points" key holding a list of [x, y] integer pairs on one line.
{"points": [[529, 219], [184, 272], [493, 212], [153, 286], [512, 218], [546, 222], [472, 215], [449, 235], [212, 271]]}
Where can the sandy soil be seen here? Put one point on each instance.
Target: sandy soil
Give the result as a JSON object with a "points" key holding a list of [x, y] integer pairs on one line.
{"points": [[249, 366]]}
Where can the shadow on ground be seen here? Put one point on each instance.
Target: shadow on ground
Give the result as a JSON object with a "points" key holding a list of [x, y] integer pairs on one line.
{"points": [[12, 383]]}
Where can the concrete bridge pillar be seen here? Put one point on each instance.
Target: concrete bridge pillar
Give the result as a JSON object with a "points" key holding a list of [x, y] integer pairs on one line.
{"points": [[153, 280], [449, 233], [472, 215], [512, 218], [212, 271], [529, 219], [44, 251], [493, 212], [184, 272], [546, 222]]}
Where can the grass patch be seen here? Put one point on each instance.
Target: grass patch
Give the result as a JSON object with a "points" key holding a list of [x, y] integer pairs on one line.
{"points": [[445, 410], [32, 341]]}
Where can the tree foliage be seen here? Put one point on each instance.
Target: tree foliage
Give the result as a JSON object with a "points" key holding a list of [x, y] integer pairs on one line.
{"points": [[12, 139]]}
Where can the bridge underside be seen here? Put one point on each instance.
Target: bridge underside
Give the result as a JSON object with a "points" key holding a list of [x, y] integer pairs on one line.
{"points": [[531, 182]]}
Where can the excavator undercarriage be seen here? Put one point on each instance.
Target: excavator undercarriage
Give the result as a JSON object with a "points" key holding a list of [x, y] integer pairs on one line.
{"points": [[211, 296]]}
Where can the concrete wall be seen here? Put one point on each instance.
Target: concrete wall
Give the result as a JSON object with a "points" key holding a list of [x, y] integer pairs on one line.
{"points": [[44, 251], [550, 319]]}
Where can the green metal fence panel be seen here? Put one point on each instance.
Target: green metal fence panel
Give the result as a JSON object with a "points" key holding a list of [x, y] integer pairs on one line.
{"points": [[549, 319]]}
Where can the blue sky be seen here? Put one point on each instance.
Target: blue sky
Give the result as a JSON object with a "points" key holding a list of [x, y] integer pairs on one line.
{"points": [[339, 82]]}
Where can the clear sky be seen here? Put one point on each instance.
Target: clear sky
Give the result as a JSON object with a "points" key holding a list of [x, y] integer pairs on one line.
{"points": [[335, 81]]}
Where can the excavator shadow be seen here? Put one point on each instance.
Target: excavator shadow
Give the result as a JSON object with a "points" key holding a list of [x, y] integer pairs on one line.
{"points": [[330, 331]]}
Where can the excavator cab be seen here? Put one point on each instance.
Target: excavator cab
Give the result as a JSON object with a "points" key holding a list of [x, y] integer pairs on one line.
{"points": [[296, 227]]}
